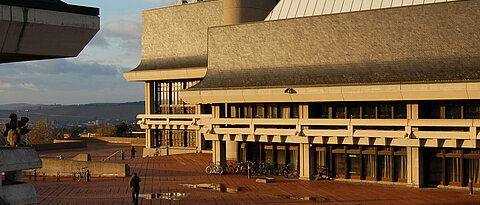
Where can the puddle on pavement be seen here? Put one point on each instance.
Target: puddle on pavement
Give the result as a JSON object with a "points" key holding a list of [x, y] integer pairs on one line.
{"points": [[172, 196], [213, 187], [308, 198]]}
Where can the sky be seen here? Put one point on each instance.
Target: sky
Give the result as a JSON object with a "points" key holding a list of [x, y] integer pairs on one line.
{"points": [[96, 75]]}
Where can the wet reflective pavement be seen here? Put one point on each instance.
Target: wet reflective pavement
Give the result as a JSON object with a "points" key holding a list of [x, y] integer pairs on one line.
{"points": [[172, 196], [164, 176], [214, 187], [309, 198]]}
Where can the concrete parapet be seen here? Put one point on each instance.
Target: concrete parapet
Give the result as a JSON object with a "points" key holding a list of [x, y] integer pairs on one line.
{"points": [[123, 140], [18, 158], [97, 169], [23, 193], [165, 151], [83, 157]]}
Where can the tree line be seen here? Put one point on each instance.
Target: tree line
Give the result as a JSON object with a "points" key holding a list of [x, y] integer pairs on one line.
{"points": [[44, 132]]}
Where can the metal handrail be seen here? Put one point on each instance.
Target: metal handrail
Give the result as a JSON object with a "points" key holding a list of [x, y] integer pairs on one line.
{"points": [[116, 152]]}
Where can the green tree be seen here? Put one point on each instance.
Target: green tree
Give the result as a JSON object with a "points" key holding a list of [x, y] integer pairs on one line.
{"points": [[43, 133], [104, 130], [122, 130]]}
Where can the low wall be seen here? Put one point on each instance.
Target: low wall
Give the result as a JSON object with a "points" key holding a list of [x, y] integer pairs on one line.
{"points": [[123, 140], [97, 169], [165, 151], [56, 146]]}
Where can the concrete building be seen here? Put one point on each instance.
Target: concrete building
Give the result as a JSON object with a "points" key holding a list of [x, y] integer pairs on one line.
{"points": [[36, 30], [374, 90]]}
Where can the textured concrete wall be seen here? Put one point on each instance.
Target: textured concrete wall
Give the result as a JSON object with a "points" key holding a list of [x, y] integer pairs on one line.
{"points": [[66, 167], [399, 34], [123, 140], [176, 36]]}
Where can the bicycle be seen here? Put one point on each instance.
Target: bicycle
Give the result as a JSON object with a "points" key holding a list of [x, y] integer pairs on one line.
{"points": [[289, 171], [82, 173], [322, 173], [214, 168]]}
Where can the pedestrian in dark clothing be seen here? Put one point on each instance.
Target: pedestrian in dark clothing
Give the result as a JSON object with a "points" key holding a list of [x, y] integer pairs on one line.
{"points": [[135, 186], [133, 152]]}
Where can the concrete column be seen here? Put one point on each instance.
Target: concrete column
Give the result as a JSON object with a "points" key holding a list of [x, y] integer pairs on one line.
{"points": [[307, 171], [415, 166], [149, 109], [149, 97], [232, 150], [241, 11], [219, 152], [149, 138]]}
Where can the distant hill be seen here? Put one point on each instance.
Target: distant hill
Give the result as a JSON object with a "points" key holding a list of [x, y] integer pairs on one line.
{"points": [[74, 115], [14, 106]]}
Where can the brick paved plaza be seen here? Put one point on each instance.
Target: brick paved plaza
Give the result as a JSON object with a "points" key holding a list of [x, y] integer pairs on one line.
{"points": [[167, 174]]}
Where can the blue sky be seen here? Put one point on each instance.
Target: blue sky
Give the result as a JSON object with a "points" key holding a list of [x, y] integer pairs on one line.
{"points": [[96, 75]]}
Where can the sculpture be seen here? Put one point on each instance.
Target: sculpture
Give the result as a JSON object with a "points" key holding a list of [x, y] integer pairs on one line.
{"points": [[14, 129]]}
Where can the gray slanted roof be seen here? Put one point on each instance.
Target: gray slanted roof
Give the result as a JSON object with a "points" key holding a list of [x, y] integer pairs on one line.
{"points": [[416, 44], [454, 69]]}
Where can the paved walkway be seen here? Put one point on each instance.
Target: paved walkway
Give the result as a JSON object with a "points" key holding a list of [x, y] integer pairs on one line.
{"points": [[167, 174]]}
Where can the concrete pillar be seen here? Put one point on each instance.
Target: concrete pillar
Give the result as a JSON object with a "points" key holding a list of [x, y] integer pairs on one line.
{"points": [[241, 11], [219, 153], [149, 109], [149, 138], [232, 150], [415, 166], [307, 167], [149, 97]]}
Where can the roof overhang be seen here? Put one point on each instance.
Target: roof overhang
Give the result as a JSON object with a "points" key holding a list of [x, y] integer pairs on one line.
{"points": [[33, 33], [381, 92], [166, 74]]}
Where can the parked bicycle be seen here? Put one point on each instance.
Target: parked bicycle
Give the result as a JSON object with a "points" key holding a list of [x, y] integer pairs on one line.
{"points": [[323, 173], [214, 168], [289, 171]]}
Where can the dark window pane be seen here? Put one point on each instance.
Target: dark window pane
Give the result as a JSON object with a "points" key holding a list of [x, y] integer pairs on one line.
{"points": [[453, 111], [369, 112], [400, 111], [384, 111], [472, 111]]}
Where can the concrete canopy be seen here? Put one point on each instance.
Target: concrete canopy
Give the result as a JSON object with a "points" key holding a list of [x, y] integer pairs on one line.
{"points": [[36, 30]]}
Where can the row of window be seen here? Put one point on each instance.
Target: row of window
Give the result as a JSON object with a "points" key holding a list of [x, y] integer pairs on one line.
{"points": [[168, 101], [174, 138], [354, 110]]}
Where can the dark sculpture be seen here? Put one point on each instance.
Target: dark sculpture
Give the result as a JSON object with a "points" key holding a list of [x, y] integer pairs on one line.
{"points": [[14, 129]]}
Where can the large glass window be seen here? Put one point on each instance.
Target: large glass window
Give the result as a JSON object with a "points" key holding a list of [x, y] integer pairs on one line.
{"points": [[167, 100]]}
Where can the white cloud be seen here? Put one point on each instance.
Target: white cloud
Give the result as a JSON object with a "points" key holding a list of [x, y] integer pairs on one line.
{"points": [[28, 86], [5, 85]]}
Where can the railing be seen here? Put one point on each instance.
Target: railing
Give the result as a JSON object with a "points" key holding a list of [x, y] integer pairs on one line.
{"points": [[372, 128], [181, 121], [390, 128], [115, 154]]}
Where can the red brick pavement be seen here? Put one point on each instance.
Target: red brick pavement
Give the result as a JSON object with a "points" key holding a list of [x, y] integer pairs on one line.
{"points": [[166, 174]]}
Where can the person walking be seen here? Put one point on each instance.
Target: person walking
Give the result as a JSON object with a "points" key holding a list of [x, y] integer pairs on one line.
{"points": [[135, 186], [133, 152]]}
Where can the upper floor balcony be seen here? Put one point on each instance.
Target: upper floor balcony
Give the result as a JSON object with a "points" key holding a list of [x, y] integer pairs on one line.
{"points": [[385, 132]]}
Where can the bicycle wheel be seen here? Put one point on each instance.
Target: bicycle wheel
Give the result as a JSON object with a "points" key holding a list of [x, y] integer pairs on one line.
{"points": [[219, 170], [208, 169], [230, 170]]}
